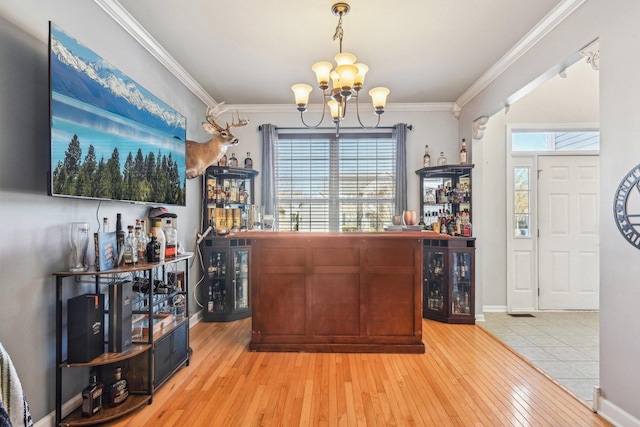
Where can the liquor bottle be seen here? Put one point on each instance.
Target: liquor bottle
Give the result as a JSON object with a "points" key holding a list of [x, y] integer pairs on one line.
{"points": [[92, 397], [426, 159], [118, 390], [241, 195], [141, 241], [233, 161], [119, 233], [218, 268], [153, 249], [171, 247], [463, 153], [160, 237], [442, 160], [248, 162], [130, 247], [105, 225], [223, 161]]}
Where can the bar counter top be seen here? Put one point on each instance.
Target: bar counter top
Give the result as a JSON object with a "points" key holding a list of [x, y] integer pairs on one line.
{"points": [[257, 234]]}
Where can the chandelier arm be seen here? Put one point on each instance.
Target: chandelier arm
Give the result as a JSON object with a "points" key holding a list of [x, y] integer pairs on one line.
{"points": [[358, 115], [324, 109]]}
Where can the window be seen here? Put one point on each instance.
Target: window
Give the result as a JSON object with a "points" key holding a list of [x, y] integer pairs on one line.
{"points": [[555, 141], [521, 199], [325, 183]]}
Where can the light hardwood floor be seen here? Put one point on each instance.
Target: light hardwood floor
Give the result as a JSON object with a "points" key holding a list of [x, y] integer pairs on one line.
{"points": [[465, 378]]}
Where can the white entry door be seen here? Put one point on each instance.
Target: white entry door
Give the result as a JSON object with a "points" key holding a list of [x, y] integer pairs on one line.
{"points": [[568, 243]]}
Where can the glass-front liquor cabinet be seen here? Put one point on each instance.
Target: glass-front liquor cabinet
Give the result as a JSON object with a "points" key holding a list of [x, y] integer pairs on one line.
{"points": [[225, 291], [448, 291]]}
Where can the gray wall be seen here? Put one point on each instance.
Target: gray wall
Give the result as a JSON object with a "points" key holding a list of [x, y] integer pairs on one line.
{"points": [[616, 25], [33, 243]]}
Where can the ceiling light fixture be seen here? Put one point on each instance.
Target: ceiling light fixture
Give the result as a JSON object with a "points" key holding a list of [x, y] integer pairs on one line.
{"points": [[347, 81]]}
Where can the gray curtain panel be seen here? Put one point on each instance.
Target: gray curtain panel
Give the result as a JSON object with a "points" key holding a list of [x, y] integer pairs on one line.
{"points": [[268, 188], [400, 136]]}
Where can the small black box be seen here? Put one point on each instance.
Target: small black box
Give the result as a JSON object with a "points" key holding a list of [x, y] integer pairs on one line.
{"points": [[85, 320], [121, 298]]}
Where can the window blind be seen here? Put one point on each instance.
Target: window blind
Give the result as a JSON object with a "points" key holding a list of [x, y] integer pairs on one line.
{"points": [[329, 183]]}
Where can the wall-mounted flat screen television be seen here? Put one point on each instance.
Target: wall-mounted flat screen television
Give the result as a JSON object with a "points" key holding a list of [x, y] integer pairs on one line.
{"points": [[110, 138]]}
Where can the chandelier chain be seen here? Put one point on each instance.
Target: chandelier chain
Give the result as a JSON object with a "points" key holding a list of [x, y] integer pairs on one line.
{"points": [[339, 32]]}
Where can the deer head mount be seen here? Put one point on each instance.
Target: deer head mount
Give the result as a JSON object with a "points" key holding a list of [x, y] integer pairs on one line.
{"points": [[201, 155]]}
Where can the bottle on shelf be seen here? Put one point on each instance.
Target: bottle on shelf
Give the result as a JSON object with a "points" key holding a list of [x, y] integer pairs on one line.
{"points": [[233, 161], [105, 225], [141, 241], [463, 153], [171, 234], [248, 162], [118, 390], [130, 247], [119, 233], [223, 161], [426, 159], [153, 248], [442, 160], [160, 237], [92, 397]]}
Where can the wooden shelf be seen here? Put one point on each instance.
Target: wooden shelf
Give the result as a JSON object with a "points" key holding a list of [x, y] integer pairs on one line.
{"points": [[132, 403], [107, 358], [141, 266]]}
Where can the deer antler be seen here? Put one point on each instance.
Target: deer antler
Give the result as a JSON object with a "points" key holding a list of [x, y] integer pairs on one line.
{"points": [[241, 122], [213, 113]]}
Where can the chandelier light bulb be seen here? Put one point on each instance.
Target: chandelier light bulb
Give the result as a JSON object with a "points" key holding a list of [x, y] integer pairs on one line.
{"points": [[301, 93], [334, 107], [322, 70], [345, 59], [347, 75], [362, 70], [379, 98]]}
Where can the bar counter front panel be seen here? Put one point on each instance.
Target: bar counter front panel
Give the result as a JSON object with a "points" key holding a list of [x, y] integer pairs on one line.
{"points": [[336, 292]]}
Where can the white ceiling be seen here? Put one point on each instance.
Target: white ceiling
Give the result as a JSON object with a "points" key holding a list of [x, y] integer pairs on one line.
{"points": [[251, 52]]}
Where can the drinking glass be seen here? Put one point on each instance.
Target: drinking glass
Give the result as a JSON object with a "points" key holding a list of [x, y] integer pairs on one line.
{"points": [[409, 217], [79, 241]]}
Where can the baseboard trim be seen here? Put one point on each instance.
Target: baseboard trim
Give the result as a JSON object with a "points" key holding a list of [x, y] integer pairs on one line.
{"points": [[615, 415], [494, 308]]}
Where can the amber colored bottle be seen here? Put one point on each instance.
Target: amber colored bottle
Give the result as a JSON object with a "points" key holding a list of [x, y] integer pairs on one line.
{"points": [[463, 153], [92, 397], [118, 390]]}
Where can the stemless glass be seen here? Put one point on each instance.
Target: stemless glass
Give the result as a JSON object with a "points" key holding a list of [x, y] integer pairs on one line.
{"points": [[79, 241], [409, 217]]}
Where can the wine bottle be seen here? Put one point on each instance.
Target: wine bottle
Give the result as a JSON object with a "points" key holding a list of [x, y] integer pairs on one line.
{"points": [[442, 160]]}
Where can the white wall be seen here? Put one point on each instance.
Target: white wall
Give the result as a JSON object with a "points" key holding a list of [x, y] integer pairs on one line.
{"points": [[438, 129], [616, 26], [34, 238]]}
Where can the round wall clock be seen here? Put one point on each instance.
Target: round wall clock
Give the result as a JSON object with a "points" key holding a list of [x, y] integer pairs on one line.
{"points": [[626, 207]]}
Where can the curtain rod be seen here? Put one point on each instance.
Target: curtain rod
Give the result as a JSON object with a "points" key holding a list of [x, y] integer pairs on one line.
{"points": [[410, 127]]}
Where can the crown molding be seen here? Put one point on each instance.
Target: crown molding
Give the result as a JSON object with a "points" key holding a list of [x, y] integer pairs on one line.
{"points": [[119, 14], [561, 12], [422, 107]]}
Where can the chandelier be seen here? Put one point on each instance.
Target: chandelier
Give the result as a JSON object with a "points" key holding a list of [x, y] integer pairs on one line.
{"points": [[347, 80]]}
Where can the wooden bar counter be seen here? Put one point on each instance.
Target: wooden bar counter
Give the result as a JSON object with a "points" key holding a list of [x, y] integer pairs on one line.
{"points": [[337, 292]]}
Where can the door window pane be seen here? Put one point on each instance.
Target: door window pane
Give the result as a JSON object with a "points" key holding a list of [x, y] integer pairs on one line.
{"points": [[521, 201]]}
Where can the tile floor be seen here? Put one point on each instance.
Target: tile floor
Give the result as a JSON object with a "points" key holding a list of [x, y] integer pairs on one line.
{"points": [[562, 344]]}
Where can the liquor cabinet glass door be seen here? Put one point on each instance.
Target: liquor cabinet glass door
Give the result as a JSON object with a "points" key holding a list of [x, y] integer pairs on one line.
{"points": [[434, 276], [217, 283], [241, 279], [461, 284]]}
